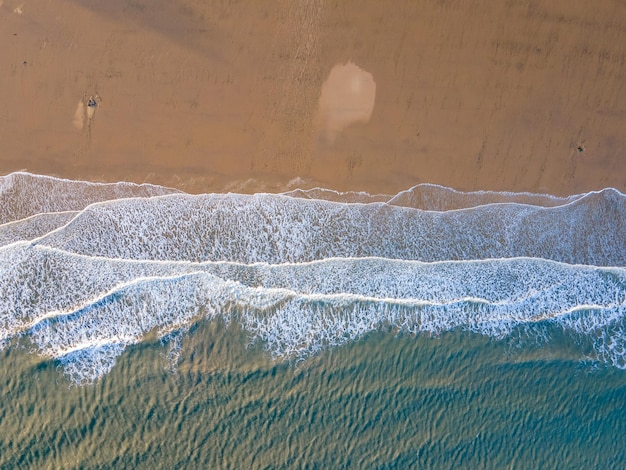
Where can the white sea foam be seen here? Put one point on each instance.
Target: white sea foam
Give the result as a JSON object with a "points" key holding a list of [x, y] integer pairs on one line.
{"points": [[34, 226], [24, 194], [303, 274], [277, 229], [85, 310]]}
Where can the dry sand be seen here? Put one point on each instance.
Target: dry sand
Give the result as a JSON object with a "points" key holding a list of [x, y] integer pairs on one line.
{"points": [[225, 95]]}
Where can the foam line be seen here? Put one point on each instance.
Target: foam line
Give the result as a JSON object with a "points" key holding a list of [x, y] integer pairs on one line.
{"points": [[348, 197], [433, 197], [440, 198]]}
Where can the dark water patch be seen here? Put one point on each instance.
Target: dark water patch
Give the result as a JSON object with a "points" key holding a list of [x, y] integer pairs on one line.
{"points": [[459, 401]]}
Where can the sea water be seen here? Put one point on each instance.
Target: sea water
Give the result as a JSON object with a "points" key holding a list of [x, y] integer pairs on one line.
{"points": [[420, 310]]}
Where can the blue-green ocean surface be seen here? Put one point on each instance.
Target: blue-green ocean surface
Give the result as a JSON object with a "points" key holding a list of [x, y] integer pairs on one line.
{"points": [[142, 327]]}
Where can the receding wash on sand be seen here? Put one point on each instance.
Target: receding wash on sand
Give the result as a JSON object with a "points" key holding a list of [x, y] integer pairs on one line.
{"points": [[347, 97]]}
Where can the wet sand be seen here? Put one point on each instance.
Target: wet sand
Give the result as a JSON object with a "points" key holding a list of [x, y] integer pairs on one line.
{"points": [[214, 96]]}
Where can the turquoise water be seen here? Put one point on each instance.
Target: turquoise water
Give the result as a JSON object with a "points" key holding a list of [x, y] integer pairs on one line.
{"points": [[383, 402], [146, 328]]}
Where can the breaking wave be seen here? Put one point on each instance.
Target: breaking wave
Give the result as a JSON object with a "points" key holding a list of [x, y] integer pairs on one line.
{"points": [[302, 274]]}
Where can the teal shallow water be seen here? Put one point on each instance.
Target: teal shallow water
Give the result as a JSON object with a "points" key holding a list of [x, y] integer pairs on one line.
{"points": [[459, 400]]}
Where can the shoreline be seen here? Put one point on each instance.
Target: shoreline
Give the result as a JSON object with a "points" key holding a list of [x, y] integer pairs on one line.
{"points": [[297, 185]]}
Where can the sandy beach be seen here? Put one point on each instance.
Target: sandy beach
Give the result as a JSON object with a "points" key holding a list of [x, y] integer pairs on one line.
{"points": [[247, 96]]}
